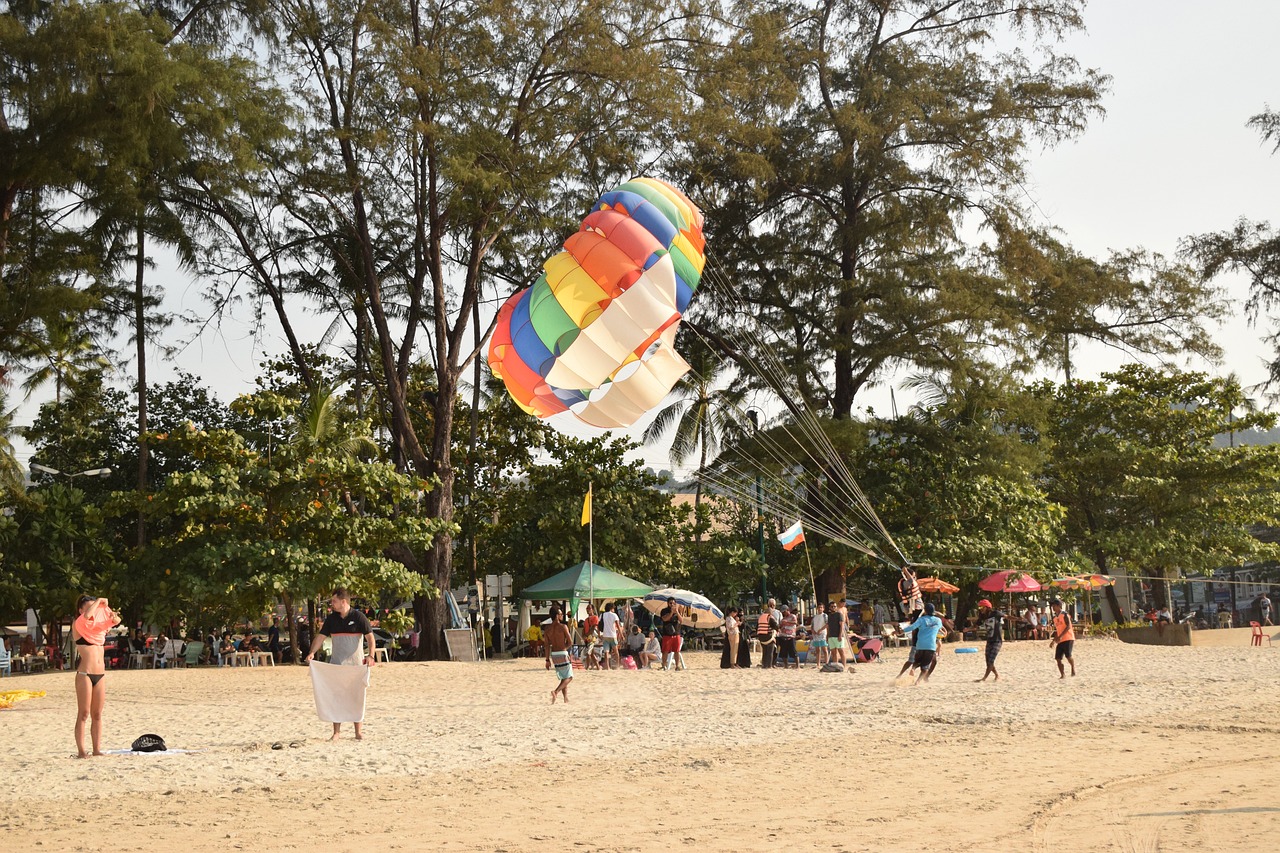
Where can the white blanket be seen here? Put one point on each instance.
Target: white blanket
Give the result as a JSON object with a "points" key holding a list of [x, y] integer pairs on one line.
{"points": [[339, 691]]}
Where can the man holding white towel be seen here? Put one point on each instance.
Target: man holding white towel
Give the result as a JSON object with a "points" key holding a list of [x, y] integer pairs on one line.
{"points": [[349, 629]]}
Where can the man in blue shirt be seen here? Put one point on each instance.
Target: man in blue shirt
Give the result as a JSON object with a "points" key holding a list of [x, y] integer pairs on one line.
{"points": [[927, 628]]}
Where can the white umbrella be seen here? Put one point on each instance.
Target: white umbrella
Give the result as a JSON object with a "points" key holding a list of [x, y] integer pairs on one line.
{"points": [[698, 611]]}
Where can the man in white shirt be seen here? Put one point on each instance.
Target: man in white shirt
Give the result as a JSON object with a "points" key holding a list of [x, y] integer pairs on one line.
{"points": [[818, 654], [609, 625]]}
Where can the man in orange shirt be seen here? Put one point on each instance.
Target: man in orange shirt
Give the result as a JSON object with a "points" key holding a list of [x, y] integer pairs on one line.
{"points": [[1064, 637]]}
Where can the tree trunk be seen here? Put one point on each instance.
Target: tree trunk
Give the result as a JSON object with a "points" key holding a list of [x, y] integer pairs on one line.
{"points": [[293, 626], [1113, 600], [140, 335], [1161, 590], [439, 504]]}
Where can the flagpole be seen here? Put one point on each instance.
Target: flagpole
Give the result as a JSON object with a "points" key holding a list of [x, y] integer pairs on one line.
{"points": [[812, 584], [591, 555]]}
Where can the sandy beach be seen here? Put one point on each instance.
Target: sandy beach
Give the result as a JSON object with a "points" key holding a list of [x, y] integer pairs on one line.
{"points": [[1147, 749]]}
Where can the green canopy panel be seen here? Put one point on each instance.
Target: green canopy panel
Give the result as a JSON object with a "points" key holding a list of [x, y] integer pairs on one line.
{"points": [[585, 580]]}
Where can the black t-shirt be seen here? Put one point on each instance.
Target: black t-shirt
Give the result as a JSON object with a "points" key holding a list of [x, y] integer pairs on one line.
{"points": [[354, 622], [835, 625], [670, 622]]}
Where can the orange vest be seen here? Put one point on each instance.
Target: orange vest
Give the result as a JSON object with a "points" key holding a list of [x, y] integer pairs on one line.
{"points": [[1062, 628]]}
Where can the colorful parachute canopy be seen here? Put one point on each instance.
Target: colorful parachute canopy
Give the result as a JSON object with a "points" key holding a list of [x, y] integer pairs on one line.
{"points": [[595, 333]]}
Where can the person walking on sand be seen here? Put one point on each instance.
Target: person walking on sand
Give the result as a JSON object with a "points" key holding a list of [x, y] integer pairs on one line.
{"points": [[926, 629], [557, 641], [89, 630], [610, 626], [1264, 609], [1064, 637], [995, 622], [350, 631]]}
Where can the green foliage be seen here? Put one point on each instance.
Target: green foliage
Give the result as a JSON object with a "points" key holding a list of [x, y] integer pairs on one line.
{"points": [[845, 155], [53, 549], [1250, 247], [956, 485], [1133, 459], [245, 528], [538, 533]]}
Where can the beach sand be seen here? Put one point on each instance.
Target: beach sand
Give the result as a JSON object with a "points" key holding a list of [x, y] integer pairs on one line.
{"points": [[1147, 749]]}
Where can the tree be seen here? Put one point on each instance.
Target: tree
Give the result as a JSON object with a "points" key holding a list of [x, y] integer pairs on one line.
{"points": [[538, 532], [245, 529], [849, 152], [425, 188], [705, 414], [54, 548], [65, 354], [1146, 488], [1251, 247], [12, 477]]}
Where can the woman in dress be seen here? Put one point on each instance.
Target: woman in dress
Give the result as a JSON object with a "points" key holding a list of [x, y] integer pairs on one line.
{"points": [[89, 631]]}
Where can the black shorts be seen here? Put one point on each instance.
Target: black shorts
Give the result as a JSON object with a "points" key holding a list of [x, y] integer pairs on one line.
{"points": [[924, 658], [993, 649], [1063, 650]]}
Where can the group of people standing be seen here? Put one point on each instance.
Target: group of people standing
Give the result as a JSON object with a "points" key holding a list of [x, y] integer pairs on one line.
{"points": [[777, 632]]}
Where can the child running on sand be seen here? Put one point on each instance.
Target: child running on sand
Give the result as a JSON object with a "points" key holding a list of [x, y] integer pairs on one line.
{"points": [[558, 641]]}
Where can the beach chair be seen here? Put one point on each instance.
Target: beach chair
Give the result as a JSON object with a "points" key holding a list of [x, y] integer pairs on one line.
{"points": [[889, 635], [191, 654], [1258, 634]]}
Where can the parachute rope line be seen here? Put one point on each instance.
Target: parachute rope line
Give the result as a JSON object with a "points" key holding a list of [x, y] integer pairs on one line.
{"points": [[819, 512]]}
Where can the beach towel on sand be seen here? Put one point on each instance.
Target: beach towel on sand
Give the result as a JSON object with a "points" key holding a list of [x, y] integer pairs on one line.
{"points": [[339, 691]]}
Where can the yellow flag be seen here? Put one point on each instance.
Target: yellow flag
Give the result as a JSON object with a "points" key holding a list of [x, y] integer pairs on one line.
{"points": [[586, 507]]}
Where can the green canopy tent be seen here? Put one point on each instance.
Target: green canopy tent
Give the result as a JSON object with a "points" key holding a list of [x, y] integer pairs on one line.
{"points": [[585, 580]]}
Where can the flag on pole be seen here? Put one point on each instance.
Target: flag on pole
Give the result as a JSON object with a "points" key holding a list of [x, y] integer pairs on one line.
{"points": [[791, 537], [586, 507]]}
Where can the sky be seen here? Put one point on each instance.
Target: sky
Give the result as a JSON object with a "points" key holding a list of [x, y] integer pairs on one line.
{"points": [[1172, 157]]}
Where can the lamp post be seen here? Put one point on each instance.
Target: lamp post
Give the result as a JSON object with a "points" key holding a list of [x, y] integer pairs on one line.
{"points": [[92, 472], [71, 477], [754, 415]]}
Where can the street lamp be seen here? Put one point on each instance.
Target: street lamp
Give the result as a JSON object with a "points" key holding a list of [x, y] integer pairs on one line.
{"points": [[92, 472]]}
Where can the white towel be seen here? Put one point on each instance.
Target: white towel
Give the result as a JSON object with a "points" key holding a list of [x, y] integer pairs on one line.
{"points": [[339, 691]]}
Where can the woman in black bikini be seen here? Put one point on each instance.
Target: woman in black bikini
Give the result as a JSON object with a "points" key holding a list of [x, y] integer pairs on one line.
{"points": [[90, 631]]}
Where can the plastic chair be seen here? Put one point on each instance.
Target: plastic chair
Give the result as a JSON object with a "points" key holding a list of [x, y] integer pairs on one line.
{"points": [[191, 654], [1259, 634], [6, 660]]}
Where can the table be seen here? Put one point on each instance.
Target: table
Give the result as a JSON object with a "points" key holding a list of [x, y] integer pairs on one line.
{"points": [[237, 658], [140, 660], [384, 653], [271, 658], [30, 663]]}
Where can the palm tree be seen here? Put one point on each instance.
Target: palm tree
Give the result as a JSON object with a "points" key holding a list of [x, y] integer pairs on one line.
{"points": [[66, 354], [706, 414], [12, 481], [318, 425]]}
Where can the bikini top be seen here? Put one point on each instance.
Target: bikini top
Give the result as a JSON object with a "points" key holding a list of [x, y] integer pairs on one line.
{"points": [[94, 625]]}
